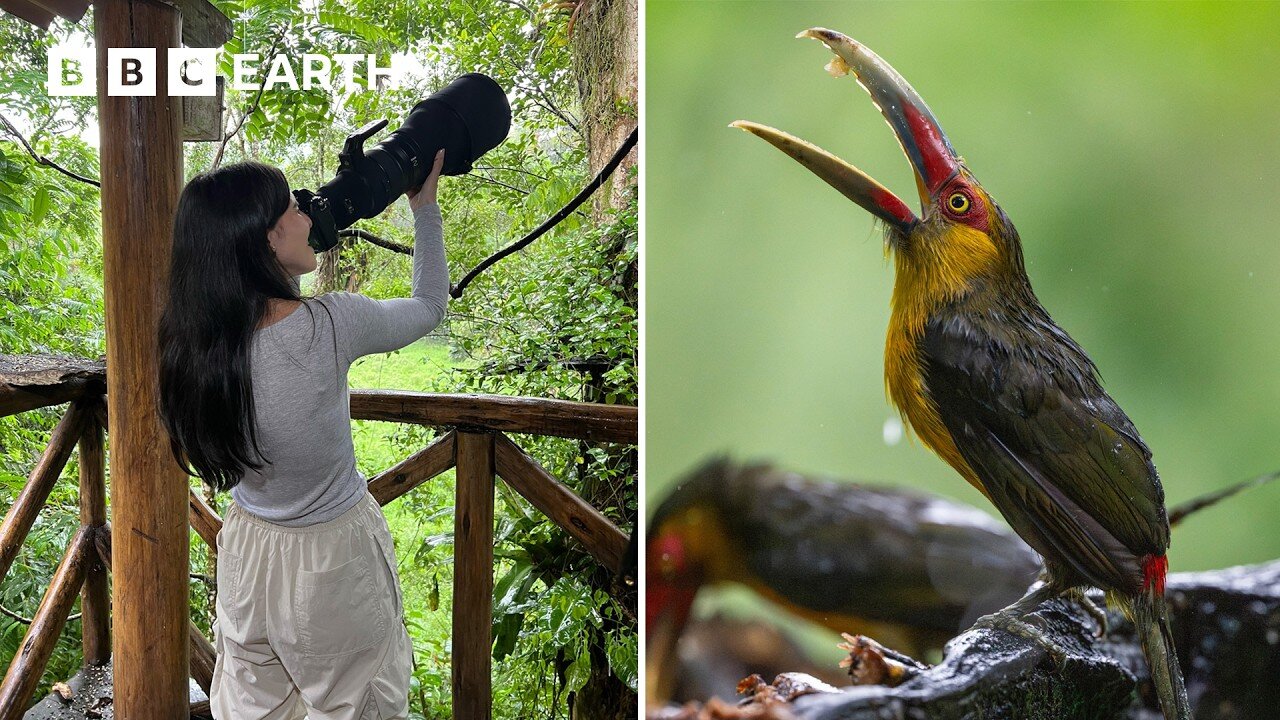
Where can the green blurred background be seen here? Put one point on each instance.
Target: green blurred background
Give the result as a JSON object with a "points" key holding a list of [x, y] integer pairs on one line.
{"points": [[1137, 149]]}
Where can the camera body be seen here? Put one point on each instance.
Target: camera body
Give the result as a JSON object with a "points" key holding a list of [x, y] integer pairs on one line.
{"points": [[467, 118]]}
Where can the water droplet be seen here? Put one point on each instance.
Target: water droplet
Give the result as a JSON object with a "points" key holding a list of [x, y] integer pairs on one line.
{"points": [[893, 431]]}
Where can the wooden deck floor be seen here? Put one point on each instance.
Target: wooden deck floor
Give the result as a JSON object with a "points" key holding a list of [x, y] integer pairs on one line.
{"points": [[91, 699]]}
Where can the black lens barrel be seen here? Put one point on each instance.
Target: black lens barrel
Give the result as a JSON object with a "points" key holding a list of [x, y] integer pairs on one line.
{"points": [[467, 118]]}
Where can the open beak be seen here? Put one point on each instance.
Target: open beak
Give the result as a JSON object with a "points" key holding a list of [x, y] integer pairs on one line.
{"points": [[923, 142], [662, 636]]}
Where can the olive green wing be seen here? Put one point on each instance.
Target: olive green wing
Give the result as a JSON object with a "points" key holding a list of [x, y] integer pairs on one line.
{"points": [[1062, 462]]}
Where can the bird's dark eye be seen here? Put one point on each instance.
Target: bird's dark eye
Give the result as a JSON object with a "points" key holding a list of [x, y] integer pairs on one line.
{"points": [[958, 202]]}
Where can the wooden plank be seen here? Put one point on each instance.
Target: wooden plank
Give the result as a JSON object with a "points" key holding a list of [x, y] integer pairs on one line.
{"points": [[91, 695], [17, 522], [602, 538], [501, 413], [473, 578], [95, 600], [416, 469], [37, 645], [203, 25], [202, 657], [33, 381], [203, 519], [32, 13], [202, 115], [71, 10], [141, 160]]}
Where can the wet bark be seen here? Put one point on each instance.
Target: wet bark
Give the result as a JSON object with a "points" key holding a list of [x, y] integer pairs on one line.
{"points": [[1226, 624]]}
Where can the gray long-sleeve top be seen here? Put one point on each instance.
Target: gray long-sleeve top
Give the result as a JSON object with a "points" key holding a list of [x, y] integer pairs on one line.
{"points": [[300, 392]]}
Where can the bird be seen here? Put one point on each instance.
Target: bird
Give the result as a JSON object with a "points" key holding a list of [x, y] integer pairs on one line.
{"points": [[988, 381], [925, 566]]}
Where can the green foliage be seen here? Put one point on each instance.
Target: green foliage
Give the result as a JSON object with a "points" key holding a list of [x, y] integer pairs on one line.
{"points": [[50, 302], [530, 328]]}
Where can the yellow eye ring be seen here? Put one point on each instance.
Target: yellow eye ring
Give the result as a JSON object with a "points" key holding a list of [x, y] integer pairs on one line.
{"points": [[958, 202]]}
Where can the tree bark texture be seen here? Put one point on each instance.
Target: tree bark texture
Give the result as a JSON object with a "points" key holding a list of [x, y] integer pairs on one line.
{"points": [[606, 69]]}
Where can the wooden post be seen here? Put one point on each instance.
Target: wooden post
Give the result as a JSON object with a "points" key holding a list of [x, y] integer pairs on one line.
{"points": [[141, 151], [95, 603], [33, 654], [473, 578]]}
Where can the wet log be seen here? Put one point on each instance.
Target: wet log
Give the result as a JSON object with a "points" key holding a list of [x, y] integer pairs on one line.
{"points": [[33, 381], [91, 697], [1226, 624], [501, 413]]}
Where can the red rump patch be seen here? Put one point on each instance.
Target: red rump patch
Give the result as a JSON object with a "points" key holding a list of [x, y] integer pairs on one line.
{"points": [[1154, 568]]}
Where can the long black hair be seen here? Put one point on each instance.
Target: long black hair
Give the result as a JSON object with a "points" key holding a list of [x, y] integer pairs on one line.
{"points": [[223, 271]]}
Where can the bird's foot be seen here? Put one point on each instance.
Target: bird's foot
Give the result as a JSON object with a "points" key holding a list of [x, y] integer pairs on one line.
{"points": [[1014, 624], [1089, 606]]}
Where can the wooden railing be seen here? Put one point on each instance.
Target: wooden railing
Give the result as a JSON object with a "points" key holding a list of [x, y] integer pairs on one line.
{"points": [[476, 444]]}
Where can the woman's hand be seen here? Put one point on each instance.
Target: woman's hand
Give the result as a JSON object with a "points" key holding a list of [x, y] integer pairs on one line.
{"points": [[426, 193]]}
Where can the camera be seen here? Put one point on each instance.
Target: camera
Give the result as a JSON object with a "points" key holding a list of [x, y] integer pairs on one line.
{"points": [[468, 117]]}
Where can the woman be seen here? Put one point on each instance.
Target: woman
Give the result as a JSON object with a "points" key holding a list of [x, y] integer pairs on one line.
{"points": [[253, 392]]}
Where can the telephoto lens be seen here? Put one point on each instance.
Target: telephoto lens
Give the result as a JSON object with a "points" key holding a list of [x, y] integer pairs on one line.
{"points": [[467, 118]]}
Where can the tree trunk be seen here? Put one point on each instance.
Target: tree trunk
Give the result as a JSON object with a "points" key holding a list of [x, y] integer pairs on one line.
{"points": [[328, 278], [605, 67]]}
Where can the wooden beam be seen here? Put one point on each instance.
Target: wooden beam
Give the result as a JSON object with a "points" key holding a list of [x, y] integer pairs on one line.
{"points": [[141, 161], [473, 578], [416, 469], [202, 657], [501, 413], [602, 539], [95, 599], [203, 519], [37, 645], [71, 10], [14, 400], [18, 521], [30, 12], [33, 381]]}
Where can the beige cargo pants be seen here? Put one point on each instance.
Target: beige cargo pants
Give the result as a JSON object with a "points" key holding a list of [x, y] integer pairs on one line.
{"points": [[310, 620]]}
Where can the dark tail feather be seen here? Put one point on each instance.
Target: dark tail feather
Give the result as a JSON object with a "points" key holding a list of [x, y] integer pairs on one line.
{"points": [[1177, 514], [1152, 622]]}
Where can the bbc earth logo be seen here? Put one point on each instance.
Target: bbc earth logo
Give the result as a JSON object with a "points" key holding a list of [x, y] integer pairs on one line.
{"points": [[191, 71]]}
